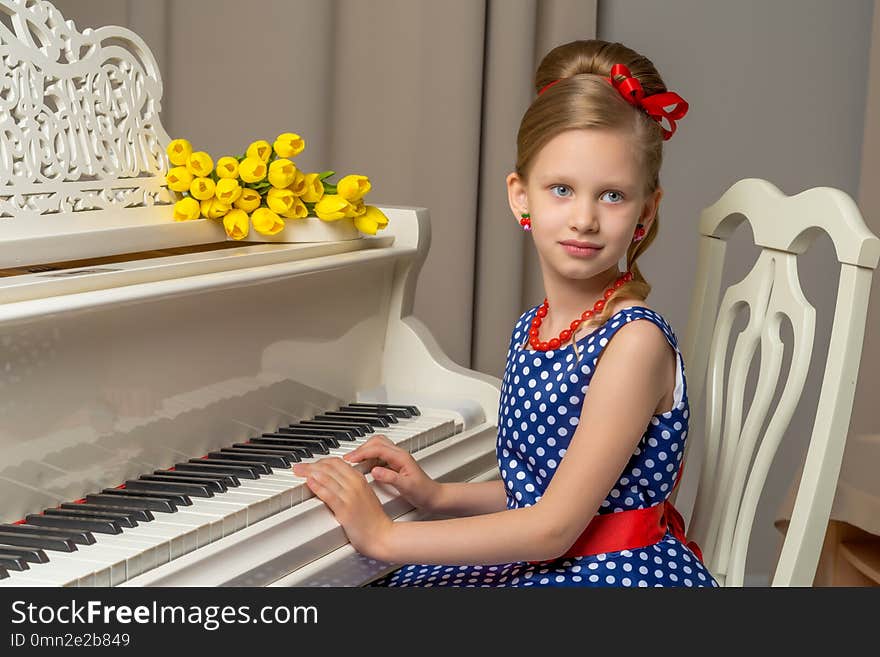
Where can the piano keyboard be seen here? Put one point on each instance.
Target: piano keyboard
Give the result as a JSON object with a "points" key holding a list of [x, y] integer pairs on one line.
{"points": [[113, 535]]}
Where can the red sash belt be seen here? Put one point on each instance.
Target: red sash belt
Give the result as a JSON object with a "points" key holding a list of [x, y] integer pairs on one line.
{"points": [[628, 530]]}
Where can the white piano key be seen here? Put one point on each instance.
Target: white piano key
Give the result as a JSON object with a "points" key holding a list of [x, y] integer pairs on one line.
{"points": [[234, 516], [59, 572], [282, 496], [143, 552], [176, 538], [75, 569], [115, 558], [25, 578], [208, 529], [104, 564]]}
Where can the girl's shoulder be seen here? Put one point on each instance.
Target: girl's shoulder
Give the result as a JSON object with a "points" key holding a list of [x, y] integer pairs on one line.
{"points": [[631, 302]]}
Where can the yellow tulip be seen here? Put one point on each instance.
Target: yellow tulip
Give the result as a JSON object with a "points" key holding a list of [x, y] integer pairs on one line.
{"points": [[179, 151], [200, 164], [213, 208], [359, 208], [227, 190], [298, 186], [267, 222], [186, 209], [252, 169], [227, 167], [179, 179], [236, 224], [249, 200], [353, 187], [202, 188], [280, 200], [282, 172], [332, 207], [298, 211], [289, 144], [314, 188], [260, 149], [371, 221]]}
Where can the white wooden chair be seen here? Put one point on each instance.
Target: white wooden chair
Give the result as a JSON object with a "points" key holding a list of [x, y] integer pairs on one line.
{"points": [[732, 464]]}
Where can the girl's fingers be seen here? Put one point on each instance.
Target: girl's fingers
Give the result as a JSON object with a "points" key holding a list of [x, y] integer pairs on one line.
{"points": [[323, 469], [329, 478], [384, 475], [392, 455], [344, 473], [379, 439], [320, 485]]}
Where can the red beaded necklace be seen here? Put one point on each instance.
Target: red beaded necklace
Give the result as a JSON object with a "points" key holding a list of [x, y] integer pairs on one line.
{"points": [[554, 343]]}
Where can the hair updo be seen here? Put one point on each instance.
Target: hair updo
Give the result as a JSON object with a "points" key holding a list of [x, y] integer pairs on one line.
{"points": [[582, 99]]}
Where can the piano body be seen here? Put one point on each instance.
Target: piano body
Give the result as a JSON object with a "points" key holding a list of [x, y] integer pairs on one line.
{"points": [[133, 344]]}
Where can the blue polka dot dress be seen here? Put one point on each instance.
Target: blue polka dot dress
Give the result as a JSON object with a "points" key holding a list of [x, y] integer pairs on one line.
{"points": [[541, 398]]}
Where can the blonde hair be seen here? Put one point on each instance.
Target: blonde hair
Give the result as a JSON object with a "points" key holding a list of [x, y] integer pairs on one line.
{"points": [[582, 99]]}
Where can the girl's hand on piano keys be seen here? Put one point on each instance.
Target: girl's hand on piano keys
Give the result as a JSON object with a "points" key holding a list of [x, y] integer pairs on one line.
{"points": [[400, 471], [354, 504]]}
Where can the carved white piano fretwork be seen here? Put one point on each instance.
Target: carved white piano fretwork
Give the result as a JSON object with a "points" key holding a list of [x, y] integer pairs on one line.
{"points": [[131, 343]]}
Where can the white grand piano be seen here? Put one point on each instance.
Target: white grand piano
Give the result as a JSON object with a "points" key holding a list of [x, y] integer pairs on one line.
{"points": [[157, 381]]}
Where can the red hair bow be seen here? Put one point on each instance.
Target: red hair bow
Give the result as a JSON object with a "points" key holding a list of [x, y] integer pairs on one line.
{"points": [[655, 105]]}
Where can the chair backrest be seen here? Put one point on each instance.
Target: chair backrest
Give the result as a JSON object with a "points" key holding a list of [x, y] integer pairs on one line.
{"points": [[733, 464]]}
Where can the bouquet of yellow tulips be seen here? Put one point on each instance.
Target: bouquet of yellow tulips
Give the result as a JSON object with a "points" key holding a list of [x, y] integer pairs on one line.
{"points": [[264, 188]]}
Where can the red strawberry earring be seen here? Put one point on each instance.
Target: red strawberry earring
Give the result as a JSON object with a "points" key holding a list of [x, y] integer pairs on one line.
{"points": [[526, 221]]}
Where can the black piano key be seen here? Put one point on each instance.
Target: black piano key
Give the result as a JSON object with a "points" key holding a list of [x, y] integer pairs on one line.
{"points": [[256, 466], [76, 535], [401, 409], [31, 555], [240, 471], [293, 454], [138, 514], [37, 541], [213, 484], [272, 460], [175, 498], [87, 524], [179, 487], [383, 420], [357, 429], [120, 518], [12, 561], [332, 435], [228, 480], [315, 446], [388, 416], [148, 503]]}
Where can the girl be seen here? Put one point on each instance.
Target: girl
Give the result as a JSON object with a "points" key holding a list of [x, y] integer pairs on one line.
{"points": [[594, 412]]}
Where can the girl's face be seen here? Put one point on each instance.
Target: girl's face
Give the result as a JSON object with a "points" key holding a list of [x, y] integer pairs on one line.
{"points": [[584, 187]]}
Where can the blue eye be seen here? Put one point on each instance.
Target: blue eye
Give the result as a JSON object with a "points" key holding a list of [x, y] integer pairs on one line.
{"points": [[560, 187], [619, 195]]}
